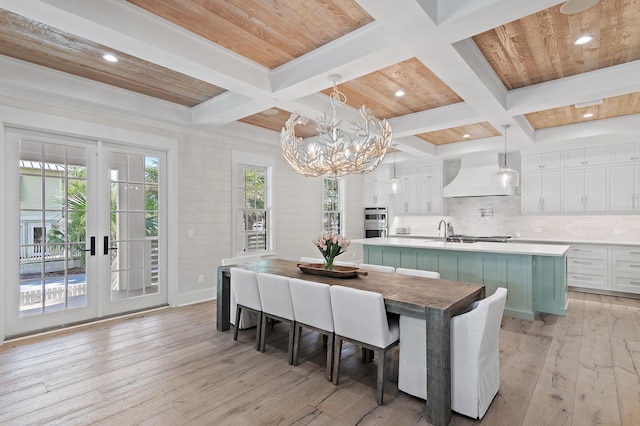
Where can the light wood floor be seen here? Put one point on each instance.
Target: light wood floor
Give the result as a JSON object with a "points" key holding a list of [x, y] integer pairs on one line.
{"points": [[171, 367]]}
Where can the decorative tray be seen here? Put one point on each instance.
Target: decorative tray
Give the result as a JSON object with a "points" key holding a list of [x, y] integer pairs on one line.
{"points": [[336, 272]]}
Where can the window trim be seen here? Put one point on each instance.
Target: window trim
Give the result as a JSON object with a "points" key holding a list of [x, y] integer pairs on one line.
{"points": [[238, 159]]}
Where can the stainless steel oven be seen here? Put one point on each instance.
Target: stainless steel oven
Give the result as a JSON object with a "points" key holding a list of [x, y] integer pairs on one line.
{"points": [[375, 222]]}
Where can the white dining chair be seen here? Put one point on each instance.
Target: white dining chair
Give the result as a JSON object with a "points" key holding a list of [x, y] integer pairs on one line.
{"points": [[366, 326], [475, 358], [245, 287], [276, 304], [376, 268], [247, 319], [312, 309], [418, 273]]}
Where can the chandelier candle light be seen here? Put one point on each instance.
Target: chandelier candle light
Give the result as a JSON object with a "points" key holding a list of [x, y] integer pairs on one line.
{"points": [[330, 245], [334, 151]]}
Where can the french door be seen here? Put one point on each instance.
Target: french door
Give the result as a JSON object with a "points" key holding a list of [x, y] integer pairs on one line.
{"points": [[91, 224]]}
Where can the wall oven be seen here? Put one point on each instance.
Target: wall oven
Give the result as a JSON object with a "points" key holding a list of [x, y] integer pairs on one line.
{"points": [[375, 222]]}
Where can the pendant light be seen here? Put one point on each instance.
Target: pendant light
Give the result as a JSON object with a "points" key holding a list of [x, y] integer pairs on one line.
{"points": [[394, 183], [506, 177]]}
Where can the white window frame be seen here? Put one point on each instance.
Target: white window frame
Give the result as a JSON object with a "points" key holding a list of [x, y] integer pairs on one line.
{"points": [[241, 159], [341, 203]]}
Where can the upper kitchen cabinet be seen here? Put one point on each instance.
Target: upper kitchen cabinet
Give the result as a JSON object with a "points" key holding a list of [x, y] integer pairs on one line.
{"points": [[624, 153], [542, 161], [376, 192], [585, 190], [624, 188], [594, 156], [421, 191], [541, 192]]}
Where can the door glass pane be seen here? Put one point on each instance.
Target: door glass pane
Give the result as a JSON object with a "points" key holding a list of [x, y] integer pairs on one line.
{"points": [[134, 226], [52, 227]]}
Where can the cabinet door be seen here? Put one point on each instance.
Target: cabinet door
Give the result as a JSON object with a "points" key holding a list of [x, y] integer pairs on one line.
{"points": [[573, 158], [573, 190], [551, 192], [531, 192], [595, 156], [430, 196], [407, 200], [375, 194], [624, 153], [622, 188], [595, 189], [551, 160], [430, 172]]}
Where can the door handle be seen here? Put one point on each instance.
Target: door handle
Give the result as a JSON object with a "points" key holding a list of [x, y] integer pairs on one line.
{"points": [[93, 246], [106, 247]]}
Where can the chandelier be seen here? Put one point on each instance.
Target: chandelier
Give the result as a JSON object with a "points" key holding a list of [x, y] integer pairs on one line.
{"points": [[335, 151]]}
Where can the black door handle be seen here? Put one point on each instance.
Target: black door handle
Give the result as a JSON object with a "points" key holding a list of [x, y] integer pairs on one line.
{"points": [[93, 247], [106, 247]]}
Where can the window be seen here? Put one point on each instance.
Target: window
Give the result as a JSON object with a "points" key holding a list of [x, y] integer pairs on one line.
{"points": [[331, 205], [252, 204]]}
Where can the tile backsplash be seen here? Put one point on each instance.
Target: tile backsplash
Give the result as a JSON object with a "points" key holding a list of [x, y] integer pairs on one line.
{"points": [[501, 216]]}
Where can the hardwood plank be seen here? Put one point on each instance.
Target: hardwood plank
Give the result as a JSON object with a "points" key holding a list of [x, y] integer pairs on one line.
{"points": [[549, 406], [596, 400], [626, 355]]}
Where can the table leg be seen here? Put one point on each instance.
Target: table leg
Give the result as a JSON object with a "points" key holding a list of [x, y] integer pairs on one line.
{"points": [[438, 367], [223, 301]]}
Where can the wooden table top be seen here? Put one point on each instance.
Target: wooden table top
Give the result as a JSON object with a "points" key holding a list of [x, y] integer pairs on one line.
{"points": [[402, 293]]}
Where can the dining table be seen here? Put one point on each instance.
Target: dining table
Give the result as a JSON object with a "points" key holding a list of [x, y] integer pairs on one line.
{"points": [[433, 300]]}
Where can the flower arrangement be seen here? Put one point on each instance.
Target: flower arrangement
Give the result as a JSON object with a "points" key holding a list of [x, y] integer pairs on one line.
{"points": [[330, 245]]}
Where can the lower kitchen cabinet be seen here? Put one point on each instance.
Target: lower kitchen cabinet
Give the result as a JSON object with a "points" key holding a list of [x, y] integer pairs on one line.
{"points": [[588, 266], [625, 266], [534, 283]]}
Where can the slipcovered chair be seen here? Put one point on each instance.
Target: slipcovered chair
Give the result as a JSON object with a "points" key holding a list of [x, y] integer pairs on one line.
{"points": [[312, 309], [418, 273], [276, 304], [475, 359], [247, 320], [244, 285], [377, 268], [366, 326]]}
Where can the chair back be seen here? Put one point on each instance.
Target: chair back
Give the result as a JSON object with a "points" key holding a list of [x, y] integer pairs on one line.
{"points": [[239, 260], [245, 286], [377, 268], [275, 295], [312, 303], [360, 315], [418, 273]]}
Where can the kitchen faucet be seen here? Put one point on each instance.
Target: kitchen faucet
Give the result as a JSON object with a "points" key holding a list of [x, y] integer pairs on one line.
{"points": [[444, 238]]}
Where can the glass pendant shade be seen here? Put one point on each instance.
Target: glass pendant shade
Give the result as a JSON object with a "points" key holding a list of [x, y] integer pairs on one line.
{"points": [[394, 185], [506, 177]]}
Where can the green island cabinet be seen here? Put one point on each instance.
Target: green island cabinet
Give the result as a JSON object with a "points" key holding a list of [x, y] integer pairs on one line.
{"points": [[534, 283]]}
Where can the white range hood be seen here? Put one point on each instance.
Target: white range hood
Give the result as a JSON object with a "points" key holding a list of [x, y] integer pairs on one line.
{"points": [[475, 178]]}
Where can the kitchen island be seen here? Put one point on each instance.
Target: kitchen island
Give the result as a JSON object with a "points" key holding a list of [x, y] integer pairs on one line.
{"points": [[533, 274]]}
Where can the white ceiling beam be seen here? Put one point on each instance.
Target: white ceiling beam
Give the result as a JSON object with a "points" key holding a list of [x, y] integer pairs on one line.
{"points": [[609, 126], [430, 120]]}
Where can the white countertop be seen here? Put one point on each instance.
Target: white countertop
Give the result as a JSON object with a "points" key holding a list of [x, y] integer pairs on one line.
{"points": [[542, 240], [506, 248]]}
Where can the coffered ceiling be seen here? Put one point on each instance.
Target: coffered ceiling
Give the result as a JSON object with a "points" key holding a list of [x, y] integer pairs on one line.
{"points": [[466, 68]]}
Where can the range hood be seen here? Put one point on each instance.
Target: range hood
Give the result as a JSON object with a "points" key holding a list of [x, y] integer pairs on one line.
{"points": [[475, 178]]}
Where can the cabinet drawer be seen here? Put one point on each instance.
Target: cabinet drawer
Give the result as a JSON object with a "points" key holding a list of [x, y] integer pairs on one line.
{"points": [[587, 251], [627, 282], [627, 265], [579, 279], [633, 252], [577, 264]]}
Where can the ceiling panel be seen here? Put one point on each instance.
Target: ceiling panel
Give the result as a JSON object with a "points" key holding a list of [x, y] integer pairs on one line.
{"points": [[468, 132], [540, 47], [41, 44], [268, 32], [423, 90], [616, 106]]}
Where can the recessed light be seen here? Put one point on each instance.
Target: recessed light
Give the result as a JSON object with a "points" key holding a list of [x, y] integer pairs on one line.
{"points": [[584, 39], [400, 93], [466, 135], [109, 57], [587, 115]]}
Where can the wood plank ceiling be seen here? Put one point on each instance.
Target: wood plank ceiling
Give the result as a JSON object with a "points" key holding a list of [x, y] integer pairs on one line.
{"points": [[523, 52]]}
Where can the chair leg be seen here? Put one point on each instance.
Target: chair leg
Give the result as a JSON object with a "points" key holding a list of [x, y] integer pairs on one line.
{"points": [[330, 355], [382, 357], [263, 333], [292, 335], [237, 325], [337, 352], [296, 345], [259, 331]]}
